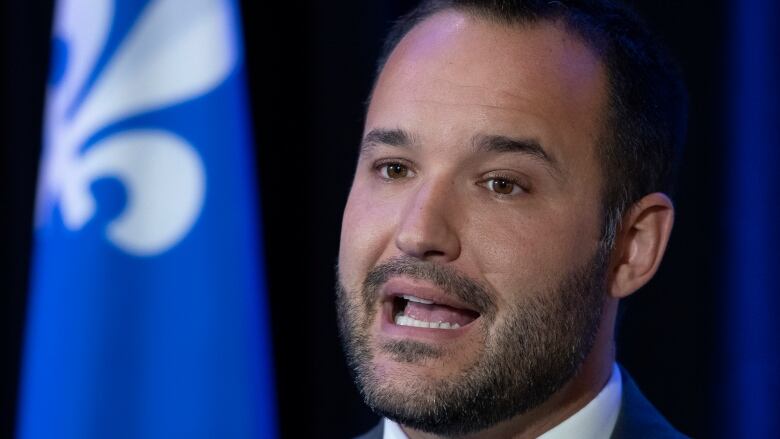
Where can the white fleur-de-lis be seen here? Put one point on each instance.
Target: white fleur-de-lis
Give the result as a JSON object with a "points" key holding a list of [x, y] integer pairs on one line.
{"points": [[176, 51]]}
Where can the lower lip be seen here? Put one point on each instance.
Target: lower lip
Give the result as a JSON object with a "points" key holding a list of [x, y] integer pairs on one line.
{"points": [[388, 327]]}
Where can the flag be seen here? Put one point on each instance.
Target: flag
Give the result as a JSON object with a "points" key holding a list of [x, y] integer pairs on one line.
{"points": [[147, 315]]}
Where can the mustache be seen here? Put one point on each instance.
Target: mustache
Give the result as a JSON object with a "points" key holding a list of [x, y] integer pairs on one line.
{"points": [[466, 289]]}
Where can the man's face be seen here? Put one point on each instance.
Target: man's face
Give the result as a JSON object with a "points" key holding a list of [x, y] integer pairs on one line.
{"points": [[471, 280]]}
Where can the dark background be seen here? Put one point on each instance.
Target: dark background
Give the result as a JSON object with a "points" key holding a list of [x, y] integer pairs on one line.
{"points": [[310, 67]]}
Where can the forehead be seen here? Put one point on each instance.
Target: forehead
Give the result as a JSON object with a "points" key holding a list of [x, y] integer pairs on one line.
{"points": [[455, 74]]}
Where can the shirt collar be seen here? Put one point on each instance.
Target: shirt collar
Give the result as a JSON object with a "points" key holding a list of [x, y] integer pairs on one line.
{"points": [[594, 421]]}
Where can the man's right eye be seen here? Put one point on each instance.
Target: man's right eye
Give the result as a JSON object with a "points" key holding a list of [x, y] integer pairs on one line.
{"points": [[394, 171]]}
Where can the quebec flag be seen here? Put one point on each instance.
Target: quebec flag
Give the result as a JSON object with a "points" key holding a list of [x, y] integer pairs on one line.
{"points": [[147, 315]]}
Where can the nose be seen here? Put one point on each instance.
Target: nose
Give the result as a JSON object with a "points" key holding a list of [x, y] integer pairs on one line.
{"points": [[426, 230]]}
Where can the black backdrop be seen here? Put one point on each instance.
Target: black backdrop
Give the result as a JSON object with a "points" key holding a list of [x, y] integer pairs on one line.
{"points": [[310, 67]]}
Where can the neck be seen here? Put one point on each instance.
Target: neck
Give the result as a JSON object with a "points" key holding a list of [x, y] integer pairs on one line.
{"points": [[589, 380]]}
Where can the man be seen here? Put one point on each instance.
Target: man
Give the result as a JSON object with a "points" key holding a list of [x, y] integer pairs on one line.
{"points": [[510, 190]]}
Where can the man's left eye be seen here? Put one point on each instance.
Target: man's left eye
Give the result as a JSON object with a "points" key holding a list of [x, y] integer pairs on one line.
{"points": [[503, 186]]}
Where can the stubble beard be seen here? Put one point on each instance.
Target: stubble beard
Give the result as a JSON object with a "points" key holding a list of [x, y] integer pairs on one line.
{"points": [[527, 355]]}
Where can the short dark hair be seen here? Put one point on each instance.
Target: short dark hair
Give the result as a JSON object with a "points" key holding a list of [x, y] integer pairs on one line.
{"points": [[647, 112]]}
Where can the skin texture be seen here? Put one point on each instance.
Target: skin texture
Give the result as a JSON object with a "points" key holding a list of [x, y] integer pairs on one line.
{"points": [[436, 197]]}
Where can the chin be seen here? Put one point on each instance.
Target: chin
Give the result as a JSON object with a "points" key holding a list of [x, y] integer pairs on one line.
{"points": [[415, 364]]}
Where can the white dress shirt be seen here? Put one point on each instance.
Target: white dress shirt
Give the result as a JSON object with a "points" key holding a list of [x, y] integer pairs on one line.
{"points": [[594, 421]]}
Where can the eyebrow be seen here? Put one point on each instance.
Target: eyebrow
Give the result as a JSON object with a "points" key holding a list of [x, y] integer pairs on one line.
{"points": [[503, 144], [391, 137]]}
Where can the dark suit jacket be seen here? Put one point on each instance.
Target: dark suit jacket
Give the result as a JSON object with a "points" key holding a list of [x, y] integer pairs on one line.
{"points": [[638, 419]]}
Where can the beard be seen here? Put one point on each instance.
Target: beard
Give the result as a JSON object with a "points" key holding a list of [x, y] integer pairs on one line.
{"points": [[531, 350]]}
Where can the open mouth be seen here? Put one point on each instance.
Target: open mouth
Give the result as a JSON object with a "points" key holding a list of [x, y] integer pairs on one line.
{"points": [[409, 310]]}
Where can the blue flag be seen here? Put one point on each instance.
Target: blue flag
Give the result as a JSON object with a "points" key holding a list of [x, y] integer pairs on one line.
{"points": [[147, 312]]}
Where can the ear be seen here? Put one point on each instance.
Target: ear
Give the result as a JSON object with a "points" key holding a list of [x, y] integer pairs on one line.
{"points": [[641, 243]]}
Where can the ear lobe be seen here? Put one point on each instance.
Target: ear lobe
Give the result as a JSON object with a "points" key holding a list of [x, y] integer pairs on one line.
{"points": [[641, 243]]}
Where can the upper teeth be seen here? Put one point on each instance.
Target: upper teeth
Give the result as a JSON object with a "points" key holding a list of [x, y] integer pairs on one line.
{"points": [[418, 300]]}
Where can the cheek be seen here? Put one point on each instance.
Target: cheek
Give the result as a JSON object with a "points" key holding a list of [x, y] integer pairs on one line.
{"points": [[366, 232], [528, 252]]}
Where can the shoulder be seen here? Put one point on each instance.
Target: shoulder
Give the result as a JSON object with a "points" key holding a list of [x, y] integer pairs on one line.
{"points": [[638, 419], [375, 433]]}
